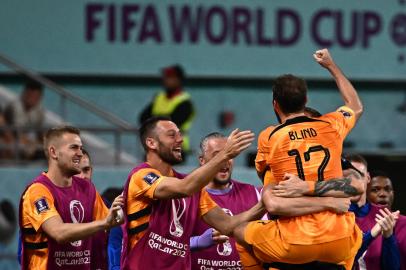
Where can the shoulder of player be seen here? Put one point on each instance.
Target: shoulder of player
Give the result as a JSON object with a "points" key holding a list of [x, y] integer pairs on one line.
{"points": [[267, 131], [36, 189], [264, 134], [341, 111], [148, 175], [37, 195]]}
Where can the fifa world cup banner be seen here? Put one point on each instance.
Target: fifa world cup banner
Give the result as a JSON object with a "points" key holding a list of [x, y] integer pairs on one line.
{"points": [[253, 39]]}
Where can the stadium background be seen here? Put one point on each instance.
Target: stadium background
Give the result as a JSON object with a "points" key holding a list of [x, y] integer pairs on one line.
{"points": [[110, 54]]}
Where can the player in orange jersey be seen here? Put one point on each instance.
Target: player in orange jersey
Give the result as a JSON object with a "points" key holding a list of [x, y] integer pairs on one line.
{"points": [[309, 148]]}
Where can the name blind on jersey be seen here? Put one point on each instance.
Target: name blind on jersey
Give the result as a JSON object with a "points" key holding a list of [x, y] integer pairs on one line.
{"points": [[302, 134]]}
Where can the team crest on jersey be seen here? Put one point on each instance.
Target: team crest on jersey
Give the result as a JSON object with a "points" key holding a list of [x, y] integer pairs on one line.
{"points": [[345, 113], [41, 205], [151, 178]]}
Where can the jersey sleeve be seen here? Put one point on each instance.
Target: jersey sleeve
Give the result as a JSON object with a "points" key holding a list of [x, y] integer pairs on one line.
{"points": [[100, 209], [144, 182], [206, 203], [262, 151], [38, 206], [343, 120]]}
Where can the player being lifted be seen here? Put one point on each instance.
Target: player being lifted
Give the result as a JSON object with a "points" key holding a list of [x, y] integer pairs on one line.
{"points": [[309, 148]]}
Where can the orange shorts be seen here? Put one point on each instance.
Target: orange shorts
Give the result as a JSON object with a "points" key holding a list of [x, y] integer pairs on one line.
{"points": [[268, 246], [248, 260]]}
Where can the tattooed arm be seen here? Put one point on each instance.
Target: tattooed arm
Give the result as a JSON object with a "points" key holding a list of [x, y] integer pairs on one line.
{"points": [[345, 187]]}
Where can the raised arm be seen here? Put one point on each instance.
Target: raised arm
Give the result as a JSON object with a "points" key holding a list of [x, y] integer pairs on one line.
{"points": [[293, 186], [67, 232], [172, 187], [225, 224], [299, 206], [348, 92]]}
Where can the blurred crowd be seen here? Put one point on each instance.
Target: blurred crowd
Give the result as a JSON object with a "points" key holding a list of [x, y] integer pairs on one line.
{"points": [[21, 124]]}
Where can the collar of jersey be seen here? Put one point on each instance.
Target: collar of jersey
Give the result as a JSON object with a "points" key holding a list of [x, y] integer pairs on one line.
{"points": [[219, 191]]}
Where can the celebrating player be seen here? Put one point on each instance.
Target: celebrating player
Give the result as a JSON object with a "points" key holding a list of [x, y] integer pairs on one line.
{"points": [[209, 249], [162, 205], [59, 211], [311, 149]]}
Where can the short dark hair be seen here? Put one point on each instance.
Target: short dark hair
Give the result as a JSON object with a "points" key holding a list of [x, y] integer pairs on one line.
{"points": [[57, 132], [290, 92], [380, 173], [312, 112], [33, 85], [176, 69], [148, 126], [205, 139], [356, 158], [86, 153]]}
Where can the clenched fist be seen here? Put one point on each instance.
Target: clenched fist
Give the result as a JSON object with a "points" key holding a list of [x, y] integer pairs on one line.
{"points": [[324, 58]]}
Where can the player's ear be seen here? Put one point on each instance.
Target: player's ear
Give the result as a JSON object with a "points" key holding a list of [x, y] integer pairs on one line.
{"points": [[368, 178], [151, 143], [52, 152], [201, 160]]}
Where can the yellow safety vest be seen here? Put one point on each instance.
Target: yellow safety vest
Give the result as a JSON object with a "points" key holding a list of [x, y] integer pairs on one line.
{"points": [[163, 106]]}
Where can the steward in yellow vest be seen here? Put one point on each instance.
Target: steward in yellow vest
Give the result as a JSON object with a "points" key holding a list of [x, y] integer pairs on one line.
{"points": [[173, 103]]}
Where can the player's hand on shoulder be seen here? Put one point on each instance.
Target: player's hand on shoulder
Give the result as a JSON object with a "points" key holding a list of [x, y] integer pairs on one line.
{"points": [[116, 214], [291, 186], [324, 58], [237, 142]]}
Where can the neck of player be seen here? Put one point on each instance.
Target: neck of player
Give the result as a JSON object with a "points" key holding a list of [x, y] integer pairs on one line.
{"points": [[157, 163], [362, 200], [285, 117], [217, 185], [58, 177]]}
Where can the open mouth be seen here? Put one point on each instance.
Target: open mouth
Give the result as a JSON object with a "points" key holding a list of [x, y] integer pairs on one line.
{"points": [[177, 150], [383, 203], [76, 161]]}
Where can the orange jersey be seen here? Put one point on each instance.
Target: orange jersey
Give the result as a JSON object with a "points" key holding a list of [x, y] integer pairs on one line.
{"points": [[33, 219], [141, 194], [310, 148]]}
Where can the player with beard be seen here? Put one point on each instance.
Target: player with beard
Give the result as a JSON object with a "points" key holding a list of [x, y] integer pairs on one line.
{"points": [[174, 103], [311, 149], [209, 248], [162, 205], [59, 211]]}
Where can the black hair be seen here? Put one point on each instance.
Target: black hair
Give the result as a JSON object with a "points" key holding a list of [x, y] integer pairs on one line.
{"points": [[180, 73], [148, 126], [33, 85], [379, 173], [290, 92], [86, 153]]}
